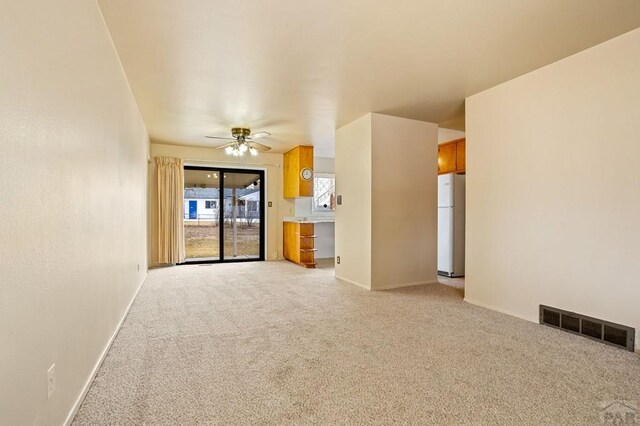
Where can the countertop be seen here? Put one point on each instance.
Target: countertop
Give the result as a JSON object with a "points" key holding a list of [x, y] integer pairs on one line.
{"points": [[310, 219]]}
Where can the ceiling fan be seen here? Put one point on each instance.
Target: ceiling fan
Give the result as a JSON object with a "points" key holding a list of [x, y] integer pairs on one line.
{"points": [[243, 141]]}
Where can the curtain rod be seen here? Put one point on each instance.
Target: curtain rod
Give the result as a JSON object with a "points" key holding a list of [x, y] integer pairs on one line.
{"points": [[191, 160]]}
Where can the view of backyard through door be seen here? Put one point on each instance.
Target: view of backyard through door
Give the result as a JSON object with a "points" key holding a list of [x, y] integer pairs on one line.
{"points": [[223, 214]]}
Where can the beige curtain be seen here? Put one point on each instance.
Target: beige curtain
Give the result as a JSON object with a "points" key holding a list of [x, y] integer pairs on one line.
{"points": [[169, 230]]}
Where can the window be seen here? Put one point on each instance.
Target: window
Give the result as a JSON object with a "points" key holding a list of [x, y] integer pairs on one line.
{"points": [[324, 192], [252, 206], [211, 204]]}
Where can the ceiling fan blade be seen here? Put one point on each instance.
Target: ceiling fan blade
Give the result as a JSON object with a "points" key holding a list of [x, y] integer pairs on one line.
{"points": [[223, 146], [221, 137], [259, 135], [259, 146]]}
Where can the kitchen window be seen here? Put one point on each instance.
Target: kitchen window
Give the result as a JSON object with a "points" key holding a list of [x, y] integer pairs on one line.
{"points": [[324, 192]]}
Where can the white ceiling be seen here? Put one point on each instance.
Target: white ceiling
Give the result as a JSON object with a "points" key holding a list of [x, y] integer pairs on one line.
{"points": [[301, 68]]}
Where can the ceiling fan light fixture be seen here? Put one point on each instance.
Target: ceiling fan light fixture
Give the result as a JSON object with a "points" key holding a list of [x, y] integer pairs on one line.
{"points": [[242, 141]]}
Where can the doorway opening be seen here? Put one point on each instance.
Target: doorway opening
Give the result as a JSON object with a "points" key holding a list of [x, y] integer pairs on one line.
{"points": [[451, 229], [223, 215]]}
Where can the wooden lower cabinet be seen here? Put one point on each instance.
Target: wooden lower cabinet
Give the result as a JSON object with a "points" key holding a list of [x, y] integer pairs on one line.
{"points": [[299, 240]]}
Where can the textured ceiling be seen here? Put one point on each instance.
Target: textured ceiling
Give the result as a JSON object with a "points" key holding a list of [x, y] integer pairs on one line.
{"points": [[300, 68]]}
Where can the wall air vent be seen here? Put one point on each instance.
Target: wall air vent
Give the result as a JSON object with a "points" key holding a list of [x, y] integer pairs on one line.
{"points": [[593, 328]]}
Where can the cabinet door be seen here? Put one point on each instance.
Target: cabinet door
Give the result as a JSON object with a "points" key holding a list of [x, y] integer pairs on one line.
{"points": [[460, 156], [292, 241], [305, 162], [447, 158], [299, 158]]}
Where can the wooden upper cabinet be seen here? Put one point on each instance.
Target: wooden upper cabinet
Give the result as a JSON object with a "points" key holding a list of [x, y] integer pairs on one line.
{"points": [[461, 162], [446, 158], [296, 182], [451, 157]]}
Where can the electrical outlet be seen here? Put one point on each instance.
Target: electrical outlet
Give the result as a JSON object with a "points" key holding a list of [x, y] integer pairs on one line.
{"points": [[51, 380], [338, 260], [270, 204]]}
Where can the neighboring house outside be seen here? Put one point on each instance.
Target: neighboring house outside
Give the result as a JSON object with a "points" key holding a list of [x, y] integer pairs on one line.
{"points": [[250, 201], [202, 204]]}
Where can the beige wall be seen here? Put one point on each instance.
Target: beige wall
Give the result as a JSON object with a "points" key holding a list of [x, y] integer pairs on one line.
{"points": [[324, 164], [446, 135], [404, 202], [353, 217], [304, 205], [386, 228], [271, 163], [553, 188], [73, 201]]}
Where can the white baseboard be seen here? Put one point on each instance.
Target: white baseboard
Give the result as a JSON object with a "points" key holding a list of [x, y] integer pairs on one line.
{"points": [[352, 282], [389, 287], [532, 319], [503, 311], [400, 285], [87, 385]]}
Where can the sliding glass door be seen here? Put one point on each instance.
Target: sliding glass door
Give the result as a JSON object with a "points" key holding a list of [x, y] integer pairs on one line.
{"points": [[223, 214], [241, 217], [201, 214]]}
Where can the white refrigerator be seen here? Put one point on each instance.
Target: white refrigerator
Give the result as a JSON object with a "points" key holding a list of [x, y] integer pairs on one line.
{"points": [[451, 225]]}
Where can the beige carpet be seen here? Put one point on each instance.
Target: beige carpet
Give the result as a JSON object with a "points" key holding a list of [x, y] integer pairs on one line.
{"points": [[452, 282], [274, 343]]}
